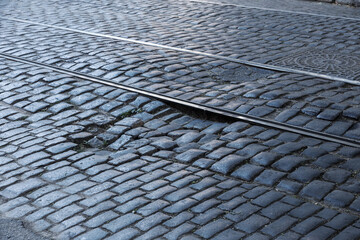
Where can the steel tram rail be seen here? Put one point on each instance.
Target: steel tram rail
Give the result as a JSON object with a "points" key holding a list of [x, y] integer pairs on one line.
{"points": [[198, 107], [241, 61]]}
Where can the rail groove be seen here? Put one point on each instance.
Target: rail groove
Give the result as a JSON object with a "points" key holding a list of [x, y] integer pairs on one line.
{"points": [[241, 61], [198, 107]]}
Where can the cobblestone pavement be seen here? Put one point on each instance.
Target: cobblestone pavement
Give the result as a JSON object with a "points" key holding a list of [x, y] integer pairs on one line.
{"points": [[80, 160]]}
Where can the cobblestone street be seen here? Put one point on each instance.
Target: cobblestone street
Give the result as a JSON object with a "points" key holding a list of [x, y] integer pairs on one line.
{"points": [[190, 119]]}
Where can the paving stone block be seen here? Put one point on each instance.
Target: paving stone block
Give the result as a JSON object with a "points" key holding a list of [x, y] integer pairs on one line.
{"points": [[206, 217], [212, 228], [305, 174], [180, 206], [276, 209], [235, 127], [289, 236], [288, 148], [267, 198], [317, 189], [39, 214], [122, 222], [269, 177], [204, 183], [153, 175], [205, 205], [278, 226], [164, 144], [341, 220], [178, 219], [181, 230], [64, 213], [102, 206], [20, 188], [153, 233], [127, 186], [307, 225], [320, 233], [124, 139], [352, 112], [228, 163], [49, 198], [27, 151], [126, 234], [95, 234], [336, 175], [252, 224], [206, 194], [20, 211], [151, 221], [152, 207], [101, 219], [305, 210], [190, 155], [62, 147], [327, 161], [289, 186], [180, 194], [160, 192], [247, 172], [264, 158], [59, 173], [90, 161], [348, 233], [288, 163]]}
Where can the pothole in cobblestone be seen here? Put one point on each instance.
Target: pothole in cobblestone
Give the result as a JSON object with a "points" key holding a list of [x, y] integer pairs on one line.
{"points": [[100, 130], [239, 74]]}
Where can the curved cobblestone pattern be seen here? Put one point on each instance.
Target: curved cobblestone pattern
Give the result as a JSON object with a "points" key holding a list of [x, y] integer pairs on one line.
{"points": [[321, 105], [223, 30], [325, 62], [156, 173]]}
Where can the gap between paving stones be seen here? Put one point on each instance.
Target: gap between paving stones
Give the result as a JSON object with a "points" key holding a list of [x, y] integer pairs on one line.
{"points": [[245, 62]]}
